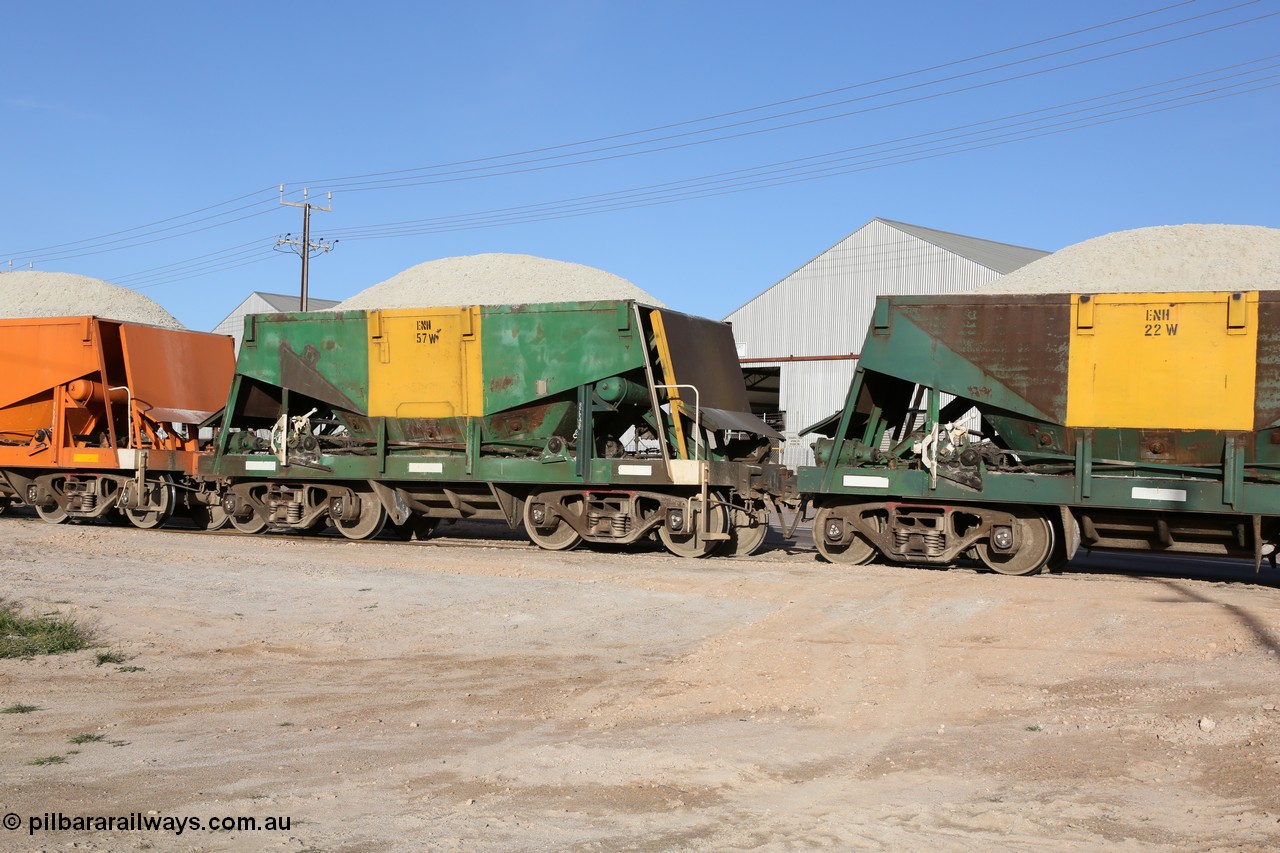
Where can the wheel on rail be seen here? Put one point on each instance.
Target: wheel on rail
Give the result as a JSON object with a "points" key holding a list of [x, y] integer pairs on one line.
{"points": [[747, 531], [1035, 534], [54, 514], [163, 499], [370, 521], [548, 530], [249, 523], [691, 543], [208, 516], [857, 552]]}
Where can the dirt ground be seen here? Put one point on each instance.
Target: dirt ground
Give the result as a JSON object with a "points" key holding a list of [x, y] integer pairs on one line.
{"points": [[478, 694]]}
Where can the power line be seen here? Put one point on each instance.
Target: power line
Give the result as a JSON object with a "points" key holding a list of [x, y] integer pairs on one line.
{"points": [[798, 99], [903, 145], [141, 236], [877, 155], [581, 157]]}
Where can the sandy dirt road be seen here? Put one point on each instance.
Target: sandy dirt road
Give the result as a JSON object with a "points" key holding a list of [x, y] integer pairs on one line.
{"points": [[489, 696]]}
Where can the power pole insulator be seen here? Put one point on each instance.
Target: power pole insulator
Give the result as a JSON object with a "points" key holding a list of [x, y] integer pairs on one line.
{"points": [[305, 247]]}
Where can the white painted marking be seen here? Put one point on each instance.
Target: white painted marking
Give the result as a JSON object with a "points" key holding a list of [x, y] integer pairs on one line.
{"points": [[635, 470], [259, 465], [1141, 494], [860, 481], [426, 467]]}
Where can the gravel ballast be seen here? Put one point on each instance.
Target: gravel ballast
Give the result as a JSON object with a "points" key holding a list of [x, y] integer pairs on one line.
{"points": [[494, 279], [31, 293], [1161, 258]]}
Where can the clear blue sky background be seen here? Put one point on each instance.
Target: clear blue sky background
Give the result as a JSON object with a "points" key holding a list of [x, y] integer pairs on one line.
{"points": [[120, 118]]}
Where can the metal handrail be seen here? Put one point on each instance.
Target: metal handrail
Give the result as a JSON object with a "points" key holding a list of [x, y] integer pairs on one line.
{"points": [[128, 439], [697, 413]]}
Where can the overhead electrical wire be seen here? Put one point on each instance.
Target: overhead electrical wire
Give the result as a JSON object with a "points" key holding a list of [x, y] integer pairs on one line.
{"points": [[95, 245], [771, 105], [879, 155], [505, 169], [903, 144], [184, 224]]}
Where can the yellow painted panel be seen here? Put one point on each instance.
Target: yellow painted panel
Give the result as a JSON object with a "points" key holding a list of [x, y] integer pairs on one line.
{"points": [[669, 378], [425, 363], [1163, 360]]}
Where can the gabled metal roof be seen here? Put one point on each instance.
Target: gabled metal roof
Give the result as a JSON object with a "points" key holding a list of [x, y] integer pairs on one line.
{"points": [[284, 303], [1000, 257]]}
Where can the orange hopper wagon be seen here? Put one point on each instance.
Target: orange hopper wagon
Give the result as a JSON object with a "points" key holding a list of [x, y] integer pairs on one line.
{"points": [[101, 418]]}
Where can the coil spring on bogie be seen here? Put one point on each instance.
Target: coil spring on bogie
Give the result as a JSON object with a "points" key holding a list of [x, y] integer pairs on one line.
{"points": [[88, 502], [930, 544], [293, 512], [621, 525]]}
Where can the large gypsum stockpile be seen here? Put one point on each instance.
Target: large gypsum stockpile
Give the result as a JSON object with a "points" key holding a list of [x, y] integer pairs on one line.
{"points": [[1128, 390], [1158, 259], [30, 293], [495, 279], [519, 412]]}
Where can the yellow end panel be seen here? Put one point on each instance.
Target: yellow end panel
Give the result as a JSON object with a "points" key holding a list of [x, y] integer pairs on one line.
{"points": [[669, 378], [1163, 360], [425, 363]]}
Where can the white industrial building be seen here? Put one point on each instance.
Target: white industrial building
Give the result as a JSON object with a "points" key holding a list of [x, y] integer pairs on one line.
{"points": [[265, 303], [799, 340]]}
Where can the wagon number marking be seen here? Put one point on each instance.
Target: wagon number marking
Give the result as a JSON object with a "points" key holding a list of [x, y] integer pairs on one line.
{"points": [[1157, 324], [425, 334]]}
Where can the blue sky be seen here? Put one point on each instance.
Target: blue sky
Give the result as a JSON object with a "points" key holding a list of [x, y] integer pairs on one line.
{"points": [[144, 141]]}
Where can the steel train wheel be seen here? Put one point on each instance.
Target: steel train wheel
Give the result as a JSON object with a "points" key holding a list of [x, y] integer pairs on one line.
{"points": [[746, 534], [858, 552], [147, 519], [559, 537], [692, 544], [1036, 535], [373, 517], [252, 523], [208, 516], [53, 515]]}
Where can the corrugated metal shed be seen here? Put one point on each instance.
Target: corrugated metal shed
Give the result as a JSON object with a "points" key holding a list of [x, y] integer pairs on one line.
{"points": [[810, 325], [264, 303]]}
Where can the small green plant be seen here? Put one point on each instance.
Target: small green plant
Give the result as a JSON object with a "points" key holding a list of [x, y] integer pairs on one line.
{"points": [[109, 657], [131, 669], [48, 759], [28, 636], [285, 724], [20, 709], [1033, 728], [86, 738]]}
